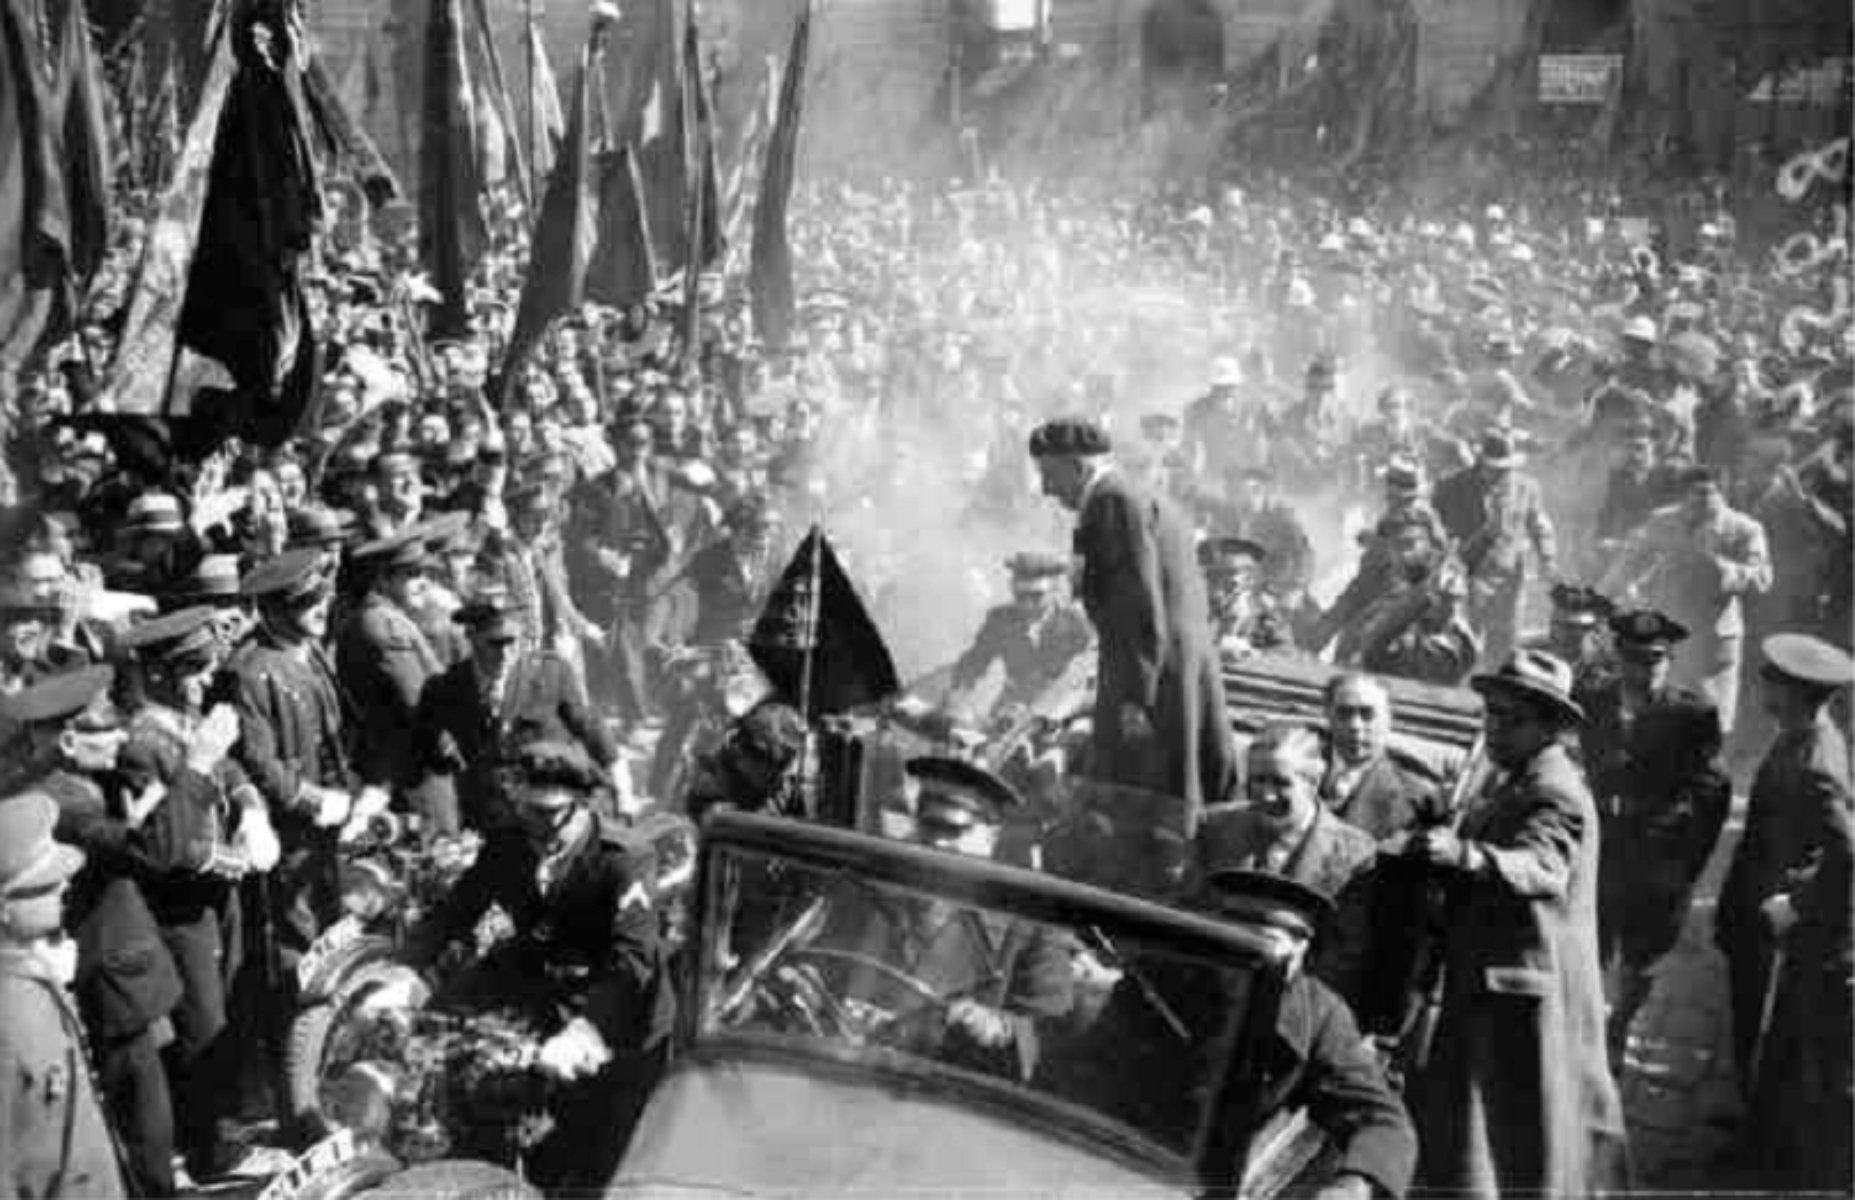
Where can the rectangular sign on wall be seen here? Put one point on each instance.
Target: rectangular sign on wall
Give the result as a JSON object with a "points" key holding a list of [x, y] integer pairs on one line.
{"points": [[1578, 78]]}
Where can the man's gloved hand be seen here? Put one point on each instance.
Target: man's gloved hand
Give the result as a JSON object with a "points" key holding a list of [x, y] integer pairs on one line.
{"points": [[1780, 914], [981, 1022], [212, 739], [576, 1052], [256, 840], [331, 807]]}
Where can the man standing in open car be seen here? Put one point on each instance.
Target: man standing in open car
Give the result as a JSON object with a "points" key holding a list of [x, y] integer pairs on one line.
{"points": [[579, 892]]}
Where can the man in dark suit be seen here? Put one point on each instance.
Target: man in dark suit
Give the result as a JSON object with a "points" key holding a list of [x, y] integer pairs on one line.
{"points": [[1000, 978], [472, 717], [1799, 796], [1517, 1095], [1492, 510], [1159, 721], [384, 661], [1364, 784], [1284, 830], [1652, 754]]}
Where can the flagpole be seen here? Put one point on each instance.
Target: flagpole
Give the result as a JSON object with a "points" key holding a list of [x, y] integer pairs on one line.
{"points": [[534, 161], [808, 781]]}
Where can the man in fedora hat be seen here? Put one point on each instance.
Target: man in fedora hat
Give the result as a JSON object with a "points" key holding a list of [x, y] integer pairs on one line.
{"points": [[1034, 638], [1493, 510], [1159, 722], [1795, 830], [1517, 1095], [1652, 754], [55, 1141]]}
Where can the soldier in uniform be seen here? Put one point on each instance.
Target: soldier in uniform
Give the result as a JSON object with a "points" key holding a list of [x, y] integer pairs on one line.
{"points": [[472, 717], [1579, 636], [1652, 753], [579, 890], [126, 984], [1799, 798], [1490, 509], [1034, 638], [207, 829], [1244, 618], [384, 662], [54, 1141], [1008, 978]]}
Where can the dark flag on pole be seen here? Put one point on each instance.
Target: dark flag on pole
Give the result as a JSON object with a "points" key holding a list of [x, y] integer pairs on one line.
{"points": [[646, 81], [703, 216], [451, 230], [344, 140], [86, 150], [816, 642], [624, 269], [546, 119], [770, 269], [568, 230]]}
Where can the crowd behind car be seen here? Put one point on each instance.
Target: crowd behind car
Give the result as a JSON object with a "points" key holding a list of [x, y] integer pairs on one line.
{"points": [[1413, 444]]}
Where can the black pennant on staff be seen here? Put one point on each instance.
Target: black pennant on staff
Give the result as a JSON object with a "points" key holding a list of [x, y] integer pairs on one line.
{"points": [[815, 640]]}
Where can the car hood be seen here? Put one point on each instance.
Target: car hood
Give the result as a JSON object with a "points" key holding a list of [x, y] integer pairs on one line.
{"points": [[729, 1128]]}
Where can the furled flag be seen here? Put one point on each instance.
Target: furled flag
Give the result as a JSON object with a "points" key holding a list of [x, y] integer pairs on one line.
{"points": [[568, 230], [451, 229], [623, 270], [646, 77], [770, 270], [545, 120], [32, 219], [815, 640], [341, 137], [85, 153]]}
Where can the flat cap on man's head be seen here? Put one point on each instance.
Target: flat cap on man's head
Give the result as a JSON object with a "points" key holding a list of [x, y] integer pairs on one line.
{"points": [[1573, 604], [1069, 436], [183, 635], [1274, 901], [1029, 564], [31, 861]]}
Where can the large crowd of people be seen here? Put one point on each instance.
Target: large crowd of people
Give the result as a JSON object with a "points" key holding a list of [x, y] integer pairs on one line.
{"points": [[1602, 477]]}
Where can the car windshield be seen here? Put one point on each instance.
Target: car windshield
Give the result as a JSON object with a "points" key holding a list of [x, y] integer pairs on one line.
{"points": [[1088, 1014]]}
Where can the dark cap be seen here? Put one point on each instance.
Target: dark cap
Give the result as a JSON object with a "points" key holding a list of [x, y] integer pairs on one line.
{"points": [[1576, 605], [1031, 565], [1270, 900], [961, 793], [1689, 478], [402, 551], [16, 597], [1645, 635], [1159, 420], [1808, 659], [316, 527], [1322, 369], [1069, 436], [30, 860], [1497, 450], [546, 766], [1402, 475], [293, 578], [59, 698], [490, 615], [1225, 551], [189, 634]]}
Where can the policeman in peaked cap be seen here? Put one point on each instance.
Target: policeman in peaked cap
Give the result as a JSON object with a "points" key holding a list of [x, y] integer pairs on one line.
{"points": [[959, 805], [1579, 632], [1652, 754]]}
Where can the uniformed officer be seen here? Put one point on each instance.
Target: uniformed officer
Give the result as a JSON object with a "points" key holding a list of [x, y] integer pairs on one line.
{"points": [[1136, 1063], [1579, 635], [207, 828], [127, 985], [1652, 753], [1799, 798], [1244, 618], [54, 1141], [580, 893], [1035, 637], [1003, 978]]}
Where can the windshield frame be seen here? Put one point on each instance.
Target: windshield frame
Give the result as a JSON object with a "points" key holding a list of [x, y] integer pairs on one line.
{"points": [[1001, 888]]}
